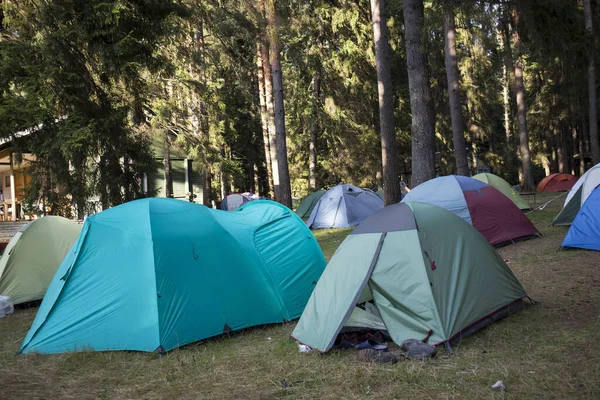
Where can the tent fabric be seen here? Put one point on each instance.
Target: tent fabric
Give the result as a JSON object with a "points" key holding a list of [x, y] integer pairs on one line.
{"points": [[557, 183], [505, 188], [235, 200], [578, 195], [343, 206], [155, 274], [309, 203], [481, 205], [33, 256], [440, 276], [584, 233]]}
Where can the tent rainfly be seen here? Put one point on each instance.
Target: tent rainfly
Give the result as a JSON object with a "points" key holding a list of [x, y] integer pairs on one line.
{"points": [[481, 205], [584, 233], [234, 201], [155, 274], [578, 195], [33, 255], [343, 206], [309, 203], [415, 270], [505, 188], [557, 183]]}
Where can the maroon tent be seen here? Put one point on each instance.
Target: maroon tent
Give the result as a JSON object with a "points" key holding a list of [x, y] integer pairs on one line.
{"points": [[483, 206]]}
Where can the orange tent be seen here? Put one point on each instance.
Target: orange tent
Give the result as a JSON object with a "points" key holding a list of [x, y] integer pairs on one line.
{"points": [[557, 183]]}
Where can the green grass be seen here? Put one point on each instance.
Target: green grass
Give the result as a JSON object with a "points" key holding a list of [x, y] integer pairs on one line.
{"points": [[549, 350]]}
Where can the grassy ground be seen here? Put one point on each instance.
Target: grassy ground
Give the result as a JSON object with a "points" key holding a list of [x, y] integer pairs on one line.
{"points": [[549, 350]]}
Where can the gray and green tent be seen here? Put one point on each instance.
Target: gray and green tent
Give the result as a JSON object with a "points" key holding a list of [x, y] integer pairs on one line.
{"points": [[33, 255], [415, 270], [309, 202]]}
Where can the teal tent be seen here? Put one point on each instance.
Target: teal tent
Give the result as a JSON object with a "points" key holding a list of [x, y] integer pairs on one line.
{"points": [[415, 270], [309, 202], [155, 274]]}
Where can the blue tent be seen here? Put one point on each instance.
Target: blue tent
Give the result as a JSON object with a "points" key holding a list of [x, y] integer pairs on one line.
{"points": [[584, 232], [155, 274], [344, 206]]}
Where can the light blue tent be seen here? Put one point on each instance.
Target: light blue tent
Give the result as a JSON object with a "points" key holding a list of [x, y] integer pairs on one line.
{"points": [[584, 232], [155, 274], [344, 206]]}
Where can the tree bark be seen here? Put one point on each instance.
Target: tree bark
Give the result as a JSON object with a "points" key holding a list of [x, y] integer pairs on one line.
{"points": [[314, 132], [421, 104], [224, 179], [389, 145], [527, 183], [285, 192], [167, 165], [504, 38], [264, 50], [264, 118], [453, 76], [593, 128]]}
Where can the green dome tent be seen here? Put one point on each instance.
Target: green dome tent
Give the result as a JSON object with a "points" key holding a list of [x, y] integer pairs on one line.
{"points": [[309, 202], [505, 188], [33, 256], [155, 274], [427, 271]]}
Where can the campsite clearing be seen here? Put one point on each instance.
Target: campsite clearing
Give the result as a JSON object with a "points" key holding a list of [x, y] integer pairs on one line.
{"points": [[546, 351]]}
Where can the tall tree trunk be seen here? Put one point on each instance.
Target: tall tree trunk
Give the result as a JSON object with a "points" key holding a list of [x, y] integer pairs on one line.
{"points": [[204, 124], [559, 150], [594, 140], [453, 74], [314, 132], [421, 103], [581, 147], [285, 190], [224, 179], [527, 183], [504, 38], [264, 51], [389, 145], [167, 165], [264, 118], [574, 146]]}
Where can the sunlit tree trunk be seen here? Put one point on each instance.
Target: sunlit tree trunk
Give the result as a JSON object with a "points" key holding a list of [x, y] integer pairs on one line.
{"points": [[421, 104], [264, 51], [389, 146], [314, 132], [167, 165], [264, 119], [504, 39], [285, 191], [593, 126], [453, 76]]}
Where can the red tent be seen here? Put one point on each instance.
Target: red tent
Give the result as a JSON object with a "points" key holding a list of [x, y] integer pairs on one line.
{"points": [[557, 183], [483, 206]]}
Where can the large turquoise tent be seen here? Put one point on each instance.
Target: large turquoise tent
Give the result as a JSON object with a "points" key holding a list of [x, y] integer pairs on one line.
{"points": [[155, 274], [415, 270]]}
